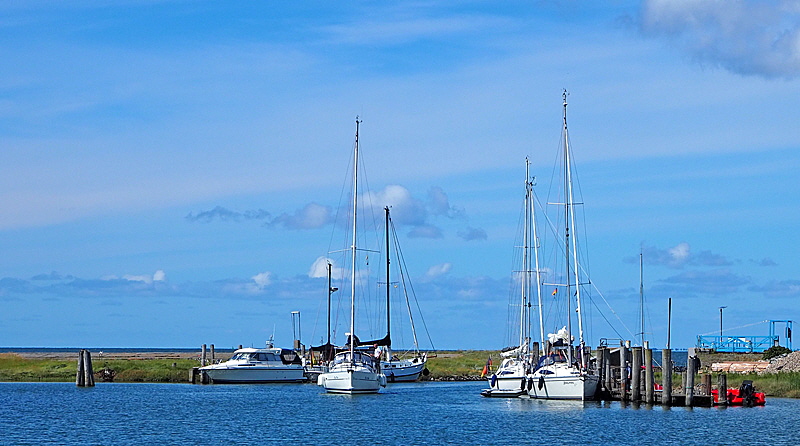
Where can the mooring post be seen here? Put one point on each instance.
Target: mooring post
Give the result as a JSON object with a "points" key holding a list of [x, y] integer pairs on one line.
{"points": [[203, 356], [636, 374], [80, 377], [722, 390], [601, 368], [707, 383], [88, 369], [607, 373], [212, 354], [690, 371], [666, 376], [624, 366], [193, 375], [648, 373]]}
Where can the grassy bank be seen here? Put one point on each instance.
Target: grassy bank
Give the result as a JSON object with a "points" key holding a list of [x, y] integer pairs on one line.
{"points": [[14, 367], [460, 365]]}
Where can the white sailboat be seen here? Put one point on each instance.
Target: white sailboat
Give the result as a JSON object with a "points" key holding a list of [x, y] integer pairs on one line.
{"points": [[353, 371], [566, 371], [512, 376], [395, 368]]}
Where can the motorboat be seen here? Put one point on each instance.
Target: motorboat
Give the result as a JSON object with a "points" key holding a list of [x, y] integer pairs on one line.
{"points": [[257, 365]]}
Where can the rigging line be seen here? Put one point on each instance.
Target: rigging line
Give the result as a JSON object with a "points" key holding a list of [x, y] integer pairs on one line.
{"points": [[402, 261], [735, 328], [585, 272]]}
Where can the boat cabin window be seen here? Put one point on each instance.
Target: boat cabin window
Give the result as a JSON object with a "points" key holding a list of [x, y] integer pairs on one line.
{"points": [[552, 358]]}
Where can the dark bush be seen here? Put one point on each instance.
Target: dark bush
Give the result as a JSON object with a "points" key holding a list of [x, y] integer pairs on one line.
{"points": [[775, 350]]}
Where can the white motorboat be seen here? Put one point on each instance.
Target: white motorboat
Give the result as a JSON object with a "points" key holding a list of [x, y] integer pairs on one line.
{"points": [[566, 371], [258, 365], [353, 371]]}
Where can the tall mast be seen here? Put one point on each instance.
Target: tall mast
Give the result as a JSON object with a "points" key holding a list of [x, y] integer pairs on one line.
{"points": [[641, 294], [353, 249], [525, 279], [536, 258], [330, 291], [567, 202], [388, 287]]}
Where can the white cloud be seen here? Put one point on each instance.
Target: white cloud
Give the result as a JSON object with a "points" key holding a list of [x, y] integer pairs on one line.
{"points": [[680, 252], [746, 37], [438, 270], [159, 276], [262, 280], [320, 268]]}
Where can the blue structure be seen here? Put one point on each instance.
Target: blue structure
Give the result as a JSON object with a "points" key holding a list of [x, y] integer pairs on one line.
{"points": [[747, 344]]}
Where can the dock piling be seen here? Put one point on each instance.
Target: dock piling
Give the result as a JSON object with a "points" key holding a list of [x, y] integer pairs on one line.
{"points": [[636, 374], [666, 376], [722, 390], [648, 373]]}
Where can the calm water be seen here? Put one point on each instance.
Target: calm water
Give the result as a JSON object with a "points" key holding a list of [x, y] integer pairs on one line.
{"points": [[416, 414]]}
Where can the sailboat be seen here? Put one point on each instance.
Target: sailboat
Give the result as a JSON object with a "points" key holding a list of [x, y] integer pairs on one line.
{"points": [[399, 369], [566, 371], [353, 370], [512, 376]]}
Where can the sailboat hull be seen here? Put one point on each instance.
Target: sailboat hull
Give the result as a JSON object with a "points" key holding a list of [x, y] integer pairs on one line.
{"points": [[404, 370], [553, 387], [352, 381]]}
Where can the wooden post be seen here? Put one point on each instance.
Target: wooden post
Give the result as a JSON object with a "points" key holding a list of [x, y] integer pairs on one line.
{"points": [[707, 383], [88, 369], [666, 371], [722, 390], [601, 368], [80, 377], [648, 373], [624, 365], [203, 356], [193, 375], [607, 372], [636, 374], [688, 390], [212, 354]]}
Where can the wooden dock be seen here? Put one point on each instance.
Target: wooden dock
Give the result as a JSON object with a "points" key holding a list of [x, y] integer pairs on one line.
{"points": [[627, 375]]}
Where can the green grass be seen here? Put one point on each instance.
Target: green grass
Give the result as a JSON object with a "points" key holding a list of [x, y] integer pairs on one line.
{"points": [[16, 368], [462, 363]]}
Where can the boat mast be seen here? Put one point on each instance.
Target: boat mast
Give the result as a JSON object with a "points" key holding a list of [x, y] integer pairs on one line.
{"points": [[330, 291], [353, 252], [388, 289], [567, 225], [570, 216], [641, 295], [536, 259], [524, 278]]}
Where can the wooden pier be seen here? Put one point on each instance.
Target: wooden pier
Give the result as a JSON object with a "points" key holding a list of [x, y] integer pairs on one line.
{"points": [[627, 374]]}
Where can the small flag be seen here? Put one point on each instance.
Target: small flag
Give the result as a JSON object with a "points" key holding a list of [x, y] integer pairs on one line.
{"points": [[555, 291], [486, 367]]}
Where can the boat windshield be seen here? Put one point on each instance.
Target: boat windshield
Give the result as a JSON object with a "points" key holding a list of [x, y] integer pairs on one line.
{"points": [[253, 356], [358, 357], [552, 358]]}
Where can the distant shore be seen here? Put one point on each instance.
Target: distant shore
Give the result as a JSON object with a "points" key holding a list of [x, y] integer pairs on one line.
{"points": [[162, 365]]}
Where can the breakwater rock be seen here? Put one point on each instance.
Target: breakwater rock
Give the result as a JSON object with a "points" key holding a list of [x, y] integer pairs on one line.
{"points": [[784, 363]]}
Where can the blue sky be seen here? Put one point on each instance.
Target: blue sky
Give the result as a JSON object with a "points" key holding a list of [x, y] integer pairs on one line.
{"points": [[170, 170]]}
